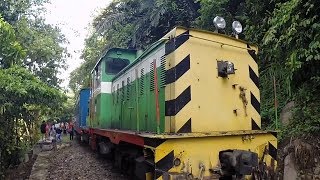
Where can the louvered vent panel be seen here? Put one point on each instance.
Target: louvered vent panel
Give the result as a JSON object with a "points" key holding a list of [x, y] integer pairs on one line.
{"points": [[113, 94], [118, 93], [122, 91], [162, 77], [142, 81], [128, 88], [151, 77]]}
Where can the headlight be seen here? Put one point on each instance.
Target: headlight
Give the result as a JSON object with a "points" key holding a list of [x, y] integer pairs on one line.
{"points": [[230, 67], [219, 22], [236, 27]]}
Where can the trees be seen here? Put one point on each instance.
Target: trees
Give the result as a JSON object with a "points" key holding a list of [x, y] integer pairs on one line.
{"points": [[45, 51], [23, 100], [28, 95], [137, 23], [10, 49], [293, 39], [286, 31], [131, 24], [43, 43], [13, 10], [80, 77]]}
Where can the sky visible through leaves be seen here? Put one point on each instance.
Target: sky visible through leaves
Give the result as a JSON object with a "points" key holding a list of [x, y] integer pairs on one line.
{"points": [[73, 18]]}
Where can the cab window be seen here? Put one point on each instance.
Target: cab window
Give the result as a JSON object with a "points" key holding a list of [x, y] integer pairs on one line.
{"points": [[115, 65]]}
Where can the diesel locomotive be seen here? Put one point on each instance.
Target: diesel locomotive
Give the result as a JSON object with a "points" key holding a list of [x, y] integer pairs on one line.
{"points": [[188, 107]]}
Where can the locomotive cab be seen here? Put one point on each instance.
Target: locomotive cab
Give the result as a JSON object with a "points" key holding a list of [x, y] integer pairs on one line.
{"points": [[109, 65]]}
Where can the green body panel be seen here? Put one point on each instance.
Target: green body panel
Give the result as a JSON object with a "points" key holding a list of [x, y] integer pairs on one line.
{"points": [[105, 114], [125, 112], [133, 106]]}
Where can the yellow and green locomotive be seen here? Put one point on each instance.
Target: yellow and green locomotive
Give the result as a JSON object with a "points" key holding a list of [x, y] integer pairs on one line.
{"points": [[188, 107]]}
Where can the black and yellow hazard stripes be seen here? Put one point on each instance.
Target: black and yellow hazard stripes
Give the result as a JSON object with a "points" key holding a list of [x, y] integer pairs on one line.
{"points": [[255, 102], [268, 154], [175, 105], [196, 98], [254, 77], [272, 150], [164, 164], [254, 125], [176, 72], [176, 98], [176, 42], [186, 155], [186, 128]]}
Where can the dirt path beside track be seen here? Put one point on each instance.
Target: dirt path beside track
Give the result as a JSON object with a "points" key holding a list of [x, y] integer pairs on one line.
{"points": [[80, 162]]}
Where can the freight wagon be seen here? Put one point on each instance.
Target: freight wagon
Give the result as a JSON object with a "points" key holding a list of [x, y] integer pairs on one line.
{"points": [[81, 114]]}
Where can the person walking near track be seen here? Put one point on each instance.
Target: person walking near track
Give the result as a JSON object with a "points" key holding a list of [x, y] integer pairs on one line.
{"points": [[71, 130], [43, 129], [58, 134]]}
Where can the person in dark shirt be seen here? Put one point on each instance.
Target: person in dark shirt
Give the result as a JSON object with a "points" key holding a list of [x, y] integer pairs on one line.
{"points": [[58, 134], [43, 129], [71, 130]]}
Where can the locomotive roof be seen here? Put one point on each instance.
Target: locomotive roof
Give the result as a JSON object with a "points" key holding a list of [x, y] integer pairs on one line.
{"points": [[172, 34], [139, 58], [161, 41], [220, 34]]}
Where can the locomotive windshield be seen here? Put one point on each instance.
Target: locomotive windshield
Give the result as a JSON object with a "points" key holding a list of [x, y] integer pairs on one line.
{"points": [[115, 65]]}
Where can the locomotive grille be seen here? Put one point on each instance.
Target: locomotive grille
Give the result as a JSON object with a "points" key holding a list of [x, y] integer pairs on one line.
{"points": [[163, 72], [122, 91], [128, 88], [117, 93], [142, 82], [151, 77]]}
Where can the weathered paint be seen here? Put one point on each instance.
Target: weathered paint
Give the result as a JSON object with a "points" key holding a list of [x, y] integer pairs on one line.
{"points": [[200, 113], [127, 112], [193, 151], [207, 102]]}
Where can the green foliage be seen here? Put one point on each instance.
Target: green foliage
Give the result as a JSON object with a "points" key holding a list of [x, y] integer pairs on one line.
{"points": [[306, 113], [27, 95], [11, 51], [287, 33], [294, 36], [13, 9], [23, 99], [131, 24], [20, 87], [65, 112], [137, 23], [44, 45], [45, 55], [292, 43], [209, 9]]}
